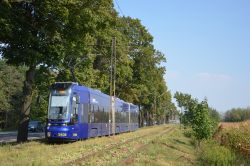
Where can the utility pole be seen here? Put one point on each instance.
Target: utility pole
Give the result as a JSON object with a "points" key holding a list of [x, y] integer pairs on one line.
{"points": [[112, 87], [129, 120], [155, 109], [114, 108], [111, 90]]}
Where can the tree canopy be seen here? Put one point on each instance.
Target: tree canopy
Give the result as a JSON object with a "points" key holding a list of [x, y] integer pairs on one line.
{"points": [[63, 40], [237, 114], [197, 115], [11, 83]]}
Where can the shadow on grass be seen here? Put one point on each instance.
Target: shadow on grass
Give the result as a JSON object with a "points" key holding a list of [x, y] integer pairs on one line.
{"points": [[56, 142], [180, 142], [173, 147]]}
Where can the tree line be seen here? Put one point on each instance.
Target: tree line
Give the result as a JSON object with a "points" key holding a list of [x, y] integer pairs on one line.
{"points": [[45, 41], [11, 82], [237, 114]]}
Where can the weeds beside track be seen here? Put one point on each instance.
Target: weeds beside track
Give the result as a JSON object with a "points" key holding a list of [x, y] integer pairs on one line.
{"points": [[113, 148], [130, 156], [146, 145]]}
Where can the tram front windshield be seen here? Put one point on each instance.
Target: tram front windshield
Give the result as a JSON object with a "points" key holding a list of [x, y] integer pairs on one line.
{"points": [[59, 107]]}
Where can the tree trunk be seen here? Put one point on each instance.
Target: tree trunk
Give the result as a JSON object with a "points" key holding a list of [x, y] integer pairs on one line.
{"points": [[72, 71], [22, 135], [6, 120]]}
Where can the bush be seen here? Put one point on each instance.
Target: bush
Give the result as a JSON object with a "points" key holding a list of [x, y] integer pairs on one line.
{"points": [[214, 154], [239, 138], [188, 133]]}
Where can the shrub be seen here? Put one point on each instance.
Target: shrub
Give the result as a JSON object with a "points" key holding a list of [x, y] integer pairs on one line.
{"points": [[188, 132], [214, 154], [239, 138]]}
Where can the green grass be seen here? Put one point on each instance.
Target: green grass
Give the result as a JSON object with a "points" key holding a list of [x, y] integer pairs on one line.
{"points": [[213, 154], [169, 149]]}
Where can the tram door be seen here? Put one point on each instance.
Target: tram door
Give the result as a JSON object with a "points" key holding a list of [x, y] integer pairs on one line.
{"points": [[75, 115], [75, 111]]}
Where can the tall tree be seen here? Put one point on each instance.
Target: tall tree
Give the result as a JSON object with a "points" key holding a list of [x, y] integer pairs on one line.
{"points": [[71, 41], [147, 85], [11, 83], [33, 38], [36, 33]]}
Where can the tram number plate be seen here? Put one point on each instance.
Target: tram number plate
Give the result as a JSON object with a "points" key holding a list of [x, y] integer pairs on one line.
{"points": [[62, 134]]}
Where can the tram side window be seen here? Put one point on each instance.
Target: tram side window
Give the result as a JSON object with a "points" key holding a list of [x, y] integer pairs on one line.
{"points": [[132, 116], [96, 114], [81, 113], [100, 114], [74, 105], [136, 117], [103, 117], [91, 114], [106, 115], [95, 109], [128, 116], [124, 115], [84, 111], [118, 116]]}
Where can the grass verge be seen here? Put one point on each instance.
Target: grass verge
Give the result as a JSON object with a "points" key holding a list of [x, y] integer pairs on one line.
{"points": [[170, 148]]}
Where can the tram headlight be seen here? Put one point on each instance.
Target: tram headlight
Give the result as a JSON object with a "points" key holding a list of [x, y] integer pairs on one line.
{"points": [[49, 124]]}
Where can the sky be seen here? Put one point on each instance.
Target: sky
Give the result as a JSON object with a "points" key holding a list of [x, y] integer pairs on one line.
{"points": [[206, 43]]}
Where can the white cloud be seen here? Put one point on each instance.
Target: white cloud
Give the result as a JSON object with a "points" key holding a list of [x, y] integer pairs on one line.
{"points": [[213, 77]]}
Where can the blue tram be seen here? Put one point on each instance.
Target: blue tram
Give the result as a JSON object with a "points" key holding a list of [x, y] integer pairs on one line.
{"points": [[78, 112]]}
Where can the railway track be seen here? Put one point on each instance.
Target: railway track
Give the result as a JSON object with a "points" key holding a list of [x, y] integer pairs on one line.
{"points": [[119, 151], [126, 160]]}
